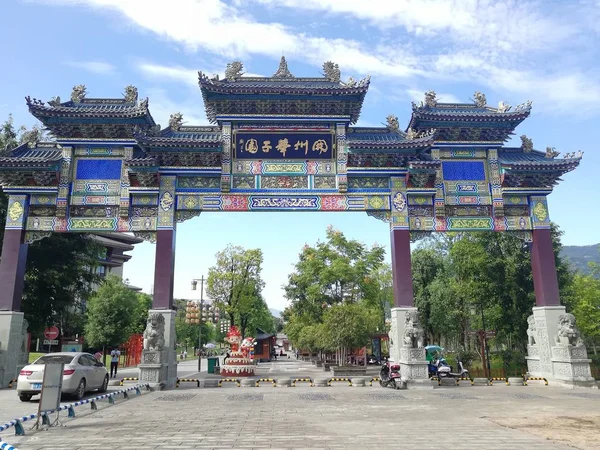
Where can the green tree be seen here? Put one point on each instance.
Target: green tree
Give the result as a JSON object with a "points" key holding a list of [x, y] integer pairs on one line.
{"points": [[140, 315], [235, 283], [60, 275], [110, 313], [586, 307]]}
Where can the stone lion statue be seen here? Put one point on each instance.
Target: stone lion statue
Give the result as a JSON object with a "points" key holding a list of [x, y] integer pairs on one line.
{"points": [[413, 333], [568, 333], [154, 334], [78, 93], [531, 330]]}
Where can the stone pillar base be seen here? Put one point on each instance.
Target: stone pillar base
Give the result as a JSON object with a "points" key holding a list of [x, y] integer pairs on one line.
{"points": [[159, 367], [13, 345], [413, 364], [561, 364]]}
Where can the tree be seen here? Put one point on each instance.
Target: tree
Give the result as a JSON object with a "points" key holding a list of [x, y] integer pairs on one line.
{"points": [[60, 276], [110, 313], [586, 307], [235, 283], [140, 314]]}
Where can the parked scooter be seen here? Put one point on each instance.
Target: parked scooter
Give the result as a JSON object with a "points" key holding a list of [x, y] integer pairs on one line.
{"points": [[441, 369], [389, 375]]}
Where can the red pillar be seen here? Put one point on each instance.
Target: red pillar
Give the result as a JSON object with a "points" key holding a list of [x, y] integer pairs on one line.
{"points": [[164, 269], [402, 269], [12, 270], [543, 265]]}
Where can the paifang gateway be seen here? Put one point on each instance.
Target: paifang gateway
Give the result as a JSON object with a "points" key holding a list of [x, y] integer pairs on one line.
{"points": [[281, 143]]}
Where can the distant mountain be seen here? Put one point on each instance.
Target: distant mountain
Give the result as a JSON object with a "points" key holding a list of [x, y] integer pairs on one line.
{"points": [[579, 256], [275, 313]]}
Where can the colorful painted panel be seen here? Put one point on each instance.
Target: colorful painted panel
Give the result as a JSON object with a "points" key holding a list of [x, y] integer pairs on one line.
{"points": [[95, 200], [452, 211], [422, 223], [16, 211], [42, 199], [518, 223], [93, 211], [244, 182], [368, 183], [80, 224], [463, 170], [420, 199], [198, 182], [515, 200], [470, 223], [144, 199], [468, 200], [324, 182], [283, 145], [539, 212], [283, 182], [98, 169]]}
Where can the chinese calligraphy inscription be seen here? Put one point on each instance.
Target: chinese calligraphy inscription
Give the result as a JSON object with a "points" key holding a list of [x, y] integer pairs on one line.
{"points": [[283, 145]]}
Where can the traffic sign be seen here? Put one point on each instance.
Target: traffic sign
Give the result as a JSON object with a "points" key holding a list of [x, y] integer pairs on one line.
{"points": [[50, 342], [51, 333]]}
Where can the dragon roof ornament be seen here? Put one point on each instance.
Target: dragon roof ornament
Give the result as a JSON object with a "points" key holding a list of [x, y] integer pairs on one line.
{"points": [[331, 71], [392, 122], [526, 144], [55, 101], [552, 153], [412, 134], [503, 107], [479, 99], [78, 93], [283, 71], [523, 106], [175, 121], [130, 94], [234, 70]]}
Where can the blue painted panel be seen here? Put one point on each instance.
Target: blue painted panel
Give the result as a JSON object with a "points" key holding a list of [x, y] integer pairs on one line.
{"points": [[98, 169], [463, 170]]}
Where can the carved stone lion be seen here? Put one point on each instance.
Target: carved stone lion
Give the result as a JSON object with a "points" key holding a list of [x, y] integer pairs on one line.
{"points": [[331, 71], [531, 330], [78, 93], [131, 94], [413, 333], [568, 333], [480, 99], [154, 334], [234, 70], [176, 120]]}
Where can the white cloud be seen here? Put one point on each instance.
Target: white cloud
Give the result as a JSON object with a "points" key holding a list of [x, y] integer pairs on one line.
{"points": [[162, 106], [518, 46], [97, 67]]}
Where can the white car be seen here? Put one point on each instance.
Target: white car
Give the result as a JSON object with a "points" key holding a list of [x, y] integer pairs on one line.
{"points": [[82, 373]]}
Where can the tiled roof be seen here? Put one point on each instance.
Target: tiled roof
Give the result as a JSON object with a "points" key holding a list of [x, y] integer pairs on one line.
{"points": [[141, 159], [362, 137], [187, 136], [92, 108], [41, 156], [516, 159]]}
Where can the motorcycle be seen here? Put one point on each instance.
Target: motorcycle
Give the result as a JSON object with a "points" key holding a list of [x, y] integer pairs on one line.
{"points": [[389, 375]]}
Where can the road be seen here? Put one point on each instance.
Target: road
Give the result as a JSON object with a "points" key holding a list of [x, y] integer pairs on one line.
{"points": [[11, 407]]}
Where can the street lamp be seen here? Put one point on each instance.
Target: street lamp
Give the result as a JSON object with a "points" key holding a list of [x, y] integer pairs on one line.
{"points": [[198, 313]]}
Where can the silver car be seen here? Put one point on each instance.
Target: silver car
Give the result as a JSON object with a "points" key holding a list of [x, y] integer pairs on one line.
{"points": [[82, 373]]}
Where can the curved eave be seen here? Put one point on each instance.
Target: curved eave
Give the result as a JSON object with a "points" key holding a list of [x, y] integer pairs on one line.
{"points": [[561, 167], [387, 149], [45, 112], [478, 118]]}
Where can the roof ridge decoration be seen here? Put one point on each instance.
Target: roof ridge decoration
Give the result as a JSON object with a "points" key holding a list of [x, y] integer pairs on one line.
{"points": [[479, 99], [175, 121], [130, 94], [526, 144], [234, 70], [412, 134], [283, 71], [78, 93], [331, 71], [391, 122], [551, 153]]}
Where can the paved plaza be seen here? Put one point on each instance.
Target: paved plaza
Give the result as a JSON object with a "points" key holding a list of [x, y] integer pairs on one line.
{"points": [[337, 417]]}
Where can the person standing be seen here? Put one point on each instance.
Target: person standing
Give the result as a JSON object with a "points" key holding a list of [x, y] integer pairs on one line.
{"points": [[114, 362]]}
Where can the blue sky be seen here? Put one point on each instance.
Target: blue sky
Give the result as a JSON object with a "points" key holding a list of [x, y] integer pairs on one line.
{"points": [[512, 50]]}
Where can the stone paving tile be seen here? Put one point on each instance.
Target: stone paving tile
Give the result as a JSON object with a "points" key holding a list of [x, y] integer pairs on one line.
{"points": [[337, 417]]}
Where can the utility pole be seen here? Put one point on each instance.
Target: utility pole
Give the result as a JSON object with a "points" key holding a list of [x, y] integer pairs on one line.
{"points": [[200, 317]]}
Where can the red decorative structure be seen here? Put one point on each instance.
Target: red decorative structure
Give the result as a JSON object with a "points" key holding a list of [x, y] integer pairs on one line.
{"points": [[239, 363]]}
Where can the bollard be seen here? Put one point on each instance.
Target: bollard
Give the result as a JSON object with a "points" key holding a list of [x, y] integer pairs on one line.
{"points": [[268, 380], [515, 381], [308, 380], [347, 380], [359, 381]]}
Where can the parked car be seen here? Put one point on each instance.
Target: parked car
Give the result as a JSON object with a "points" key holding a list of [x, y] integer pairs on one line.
{"points": [[82, 373]]}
